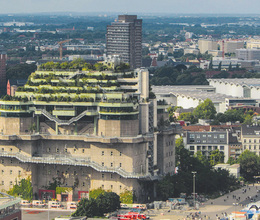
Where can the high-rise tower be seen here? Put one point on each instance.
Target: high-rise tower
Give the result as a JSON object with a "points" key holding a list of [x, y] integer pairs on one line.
{"points": [[3, 57], [124, 38]]}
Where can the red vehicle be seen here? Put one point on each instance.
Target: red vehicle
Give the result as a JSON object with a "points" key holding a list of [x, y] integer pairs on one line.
{"points": [[132, 215]]}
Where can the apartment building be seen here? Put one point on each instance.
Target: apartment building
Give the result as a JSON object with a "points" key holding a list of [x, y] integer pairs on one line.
{"points": [[124, 38], [207, 44], [3, 57], [210, 138], [250, 138]]}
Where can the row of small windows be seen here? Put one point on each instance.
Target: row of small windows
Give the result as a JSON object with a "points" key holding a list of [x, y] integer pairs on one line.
{"points": [[10, 183], [207, 135], [169, 143], [111, 187], [111, 164], [207, 147], [169, 154], [250, 141], [251, 147], [111, 153], [169, 164], [65, 150], [11, 149], [11, 172]]}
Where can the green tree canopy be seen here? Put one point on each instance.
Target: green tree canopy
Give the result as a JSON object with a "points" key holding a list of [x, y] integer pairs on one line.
{"points": [[24, 189], [205, 110], [249, 165]]}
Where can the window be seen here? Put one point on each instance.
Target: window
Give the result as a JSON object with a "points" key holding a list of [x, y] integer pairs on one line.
{"points": [[204, 141], [120, 187], [254, 140], [103, 175], [11, 172], [3, 182], [111, 153], [3, 172], [83, 183], [191, 147], [48, 150], [204, 135], [66, 150], [20, 150], [249, 140], [198, 135], [102, 164], [210, 147], [49, 172], [111, 186], [57, 150], [198, 147], [11, 161], [111, 164], [120, 154], [75, 150], [102, 186], [192, 136], [111, 176], [120, 164], [3, 149], [249, 147], [57, 172], [2, 161], [221, 136], [215, 136], [75, 172], [11, 183], [221, 147], [11, 149], [209, 135], [83, 151], [102, 153]]}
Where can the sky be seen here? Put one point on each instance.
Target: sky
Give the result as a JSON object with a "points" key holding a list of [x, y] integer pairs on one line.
{"points": [[130, 6]]}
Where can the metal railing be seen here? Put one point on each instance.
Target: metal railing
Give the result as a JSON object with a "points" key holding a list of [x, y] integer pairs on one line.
{"points": [[65, 160], [63, 122]]}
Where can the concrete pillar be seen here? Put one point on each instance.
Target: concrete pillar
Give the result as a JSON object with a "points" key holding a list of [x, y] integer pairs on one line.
{"points": [[38, 123], [57, 128], [95, 125], [76, 128]]}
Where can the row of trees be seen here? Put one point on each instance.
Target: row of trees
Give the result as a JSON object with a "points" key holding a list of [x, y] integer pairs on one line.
{"points": [[179, 75], [209, 181], [207, 110]]}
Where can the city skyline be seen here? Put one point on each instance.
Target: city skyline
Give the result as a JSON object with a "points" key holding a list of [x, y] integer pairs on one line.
{"points": [[129, 7]]}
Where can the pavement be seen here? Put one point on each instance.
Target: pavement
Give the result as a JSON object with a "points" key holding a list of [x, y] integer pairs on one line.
{"points": [[212, 209]]}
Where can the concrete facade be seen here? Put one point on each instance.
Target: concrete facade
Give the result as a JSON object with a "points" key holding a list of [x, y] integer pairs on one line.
{"points": [[108, 142]]}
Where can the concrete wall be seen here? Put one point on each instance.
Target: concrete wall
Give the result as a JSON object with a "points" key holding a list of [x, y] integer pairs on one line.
{"points": [[118, 128]]}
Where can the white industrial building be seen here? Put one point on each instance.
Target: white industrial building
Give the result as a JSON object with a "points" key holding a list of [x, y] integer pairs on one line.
{"points": [[191, 96], [245, 88]]}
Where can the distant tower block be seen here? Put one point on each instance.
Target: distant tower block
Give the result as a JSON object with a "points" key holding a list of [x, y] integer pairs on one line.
{"points": [[3, 58]]}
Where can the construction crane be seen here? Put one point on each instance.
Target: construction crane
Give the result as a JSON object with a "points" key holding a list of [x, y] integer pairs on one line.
{"points": [[60, 43]]}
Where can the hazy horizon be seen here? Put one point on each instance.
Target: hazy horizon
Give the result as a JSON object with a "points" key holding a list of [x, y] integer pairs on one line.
{"points": [[229, 7]]}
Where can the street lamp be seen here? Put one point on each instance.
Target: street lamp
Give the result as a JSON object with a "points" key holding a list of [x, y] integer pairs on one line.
{"points": [[194, 176]]}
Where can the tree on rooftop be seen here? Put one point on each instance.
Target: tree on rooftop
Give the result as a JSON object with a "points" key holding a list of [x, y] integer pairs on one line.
{"points": [[205, 110]]}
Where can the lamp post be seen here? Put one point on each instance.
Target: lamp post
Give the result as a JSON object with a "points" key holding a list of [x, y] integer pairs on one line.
{"points": [[194, 195]]}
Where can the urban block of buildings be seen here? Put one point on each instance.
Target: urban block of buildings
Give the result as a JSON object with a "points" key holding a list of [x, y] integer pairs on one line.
{"points": [[86, 129]]}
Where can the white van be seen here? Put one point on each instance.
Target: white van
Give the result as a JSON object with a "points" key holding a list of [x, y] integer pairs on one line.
{"points": [[25, 203], [71, 205], [38, 203], [54, 204]]}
